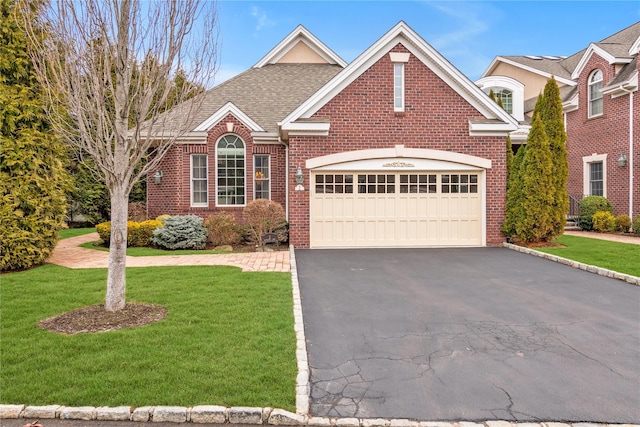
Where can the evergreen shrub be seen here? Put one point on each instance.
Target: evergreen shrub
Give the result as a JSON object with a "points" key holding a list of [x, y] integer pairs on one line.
{"points": [[588, 207], [181, 232], [636, 224], [162, 218], [139, 234], [623, 223], [603, 222], [104, 231], [223, 230]]}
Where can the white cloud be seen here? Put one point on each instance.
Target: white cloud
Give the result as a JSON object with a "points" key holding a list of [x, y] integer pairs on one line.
{"points": [[262, 19]]}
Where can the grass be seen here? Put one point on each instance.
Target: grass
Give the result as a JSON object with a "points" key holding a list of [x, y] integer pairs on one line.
{"points": [[228, 340], [74, 232], [144, 251], [620, 257]]}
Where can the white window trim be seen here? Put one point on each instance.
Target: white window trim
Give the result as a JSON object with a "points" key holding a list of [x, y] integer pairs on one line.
{"points": [[254, 173], [192, 203], [589, 100], [398, 59], [586, 173], [245, 172], [516, 88]]}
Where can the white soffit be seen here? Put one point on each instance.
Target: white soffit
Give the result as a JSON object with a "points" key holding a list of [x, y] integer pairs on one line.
{"points": [[300, 34], [403, 34], [224, 111]]}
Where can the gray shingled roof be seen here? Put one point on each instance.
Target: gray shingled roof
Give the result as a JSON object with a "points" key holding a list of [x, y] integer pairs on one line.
{"points": [[267, 94], [616, 45]]}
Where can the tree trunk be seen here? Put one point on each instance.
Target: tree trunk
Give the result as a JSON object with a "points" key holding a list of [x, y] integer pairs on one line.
{"points": [[116, 278]]}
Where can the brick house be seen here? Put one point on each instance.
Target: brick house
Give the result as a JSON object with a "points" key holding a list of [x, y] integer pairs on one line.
{"points": [[396, 149], [598, 86]]}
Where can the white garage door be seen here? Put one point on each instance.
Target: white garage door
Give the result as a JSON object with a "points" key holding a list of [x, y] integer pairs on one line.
{"points": [[376, 209]]}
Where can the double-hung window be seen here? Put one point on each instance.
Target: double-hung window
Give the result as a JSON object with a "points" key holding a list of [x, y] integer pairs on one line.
{"points": [[262, 182], [596, 179], [595, 94], [199, 180]]}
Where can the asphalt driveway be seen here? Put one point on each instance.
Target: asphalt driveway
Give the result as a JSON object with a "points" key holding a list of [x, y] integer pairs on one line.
{"points": [[468, 334]]}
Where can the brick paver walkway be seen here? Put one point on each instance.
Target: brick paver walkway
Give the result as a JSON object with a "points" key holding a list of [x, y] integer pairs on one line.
{"points": [[69, 254]]}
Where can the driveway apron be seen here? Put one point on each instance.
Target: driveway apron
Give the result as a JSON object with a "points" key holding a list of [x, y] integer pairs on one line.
{"points": [[468, 334]]}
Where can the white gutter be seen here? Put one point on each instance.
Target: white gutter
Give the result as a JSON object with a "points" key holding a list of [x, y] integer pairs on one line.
{"points": [[630, 154], [286, 178]]}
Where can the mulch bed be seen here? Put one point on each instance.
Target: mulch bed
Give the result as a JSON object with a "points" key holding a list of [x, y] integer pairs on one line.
{"points": [[95, 318]]}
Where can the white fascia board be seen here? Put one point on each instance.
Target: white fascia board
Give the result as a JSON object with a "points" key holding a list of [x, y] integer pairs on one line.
{"points": [[403, 34], [631, 85], [535, 71], [571, 104], [635, 47], [265, 137], [300, 33], [490, 129], [491, 66], [593, 48], [521, 134], [306, 128], [228, 108]]}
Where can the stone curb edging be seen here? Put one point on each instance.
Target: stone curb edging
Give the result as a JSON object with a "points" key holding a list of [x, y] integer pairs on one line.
{"points": [[243, 415], [575, 264], [302, 379]]}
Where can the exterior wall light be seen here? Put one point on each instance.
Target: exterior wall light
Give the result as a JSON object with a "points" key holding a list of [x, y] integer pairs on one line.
{"points": [[157, 177], [300, 176], [622, 160]]}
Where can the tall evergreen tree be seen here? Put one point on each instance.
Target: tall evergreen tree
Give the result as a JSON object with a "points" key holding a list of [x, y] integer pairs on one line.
{"points": [[513, 207], [509, 159], [551, 115], [33, 181], [536, 202]]}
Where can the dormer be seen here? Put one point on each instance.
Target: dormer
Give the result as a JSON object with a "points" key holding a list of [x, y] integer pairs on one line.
{"points": [[509, 90], [300, 47]]}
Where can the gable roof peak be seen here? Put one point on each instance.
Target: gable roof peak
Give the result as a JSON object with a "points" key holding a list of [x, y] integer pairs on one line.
{"points": [[302, 40]]}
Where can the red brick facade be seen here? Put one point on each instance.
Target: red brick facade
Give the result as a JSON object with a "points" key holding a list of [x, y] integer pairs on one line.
{"points": [[362, 117], [173, 195], [606, 134]]}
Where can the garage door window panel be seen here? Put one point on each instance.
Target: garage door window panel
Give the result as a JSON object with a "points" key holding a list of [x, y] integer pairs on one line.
{"points": [[376, 184], [334, 184]]}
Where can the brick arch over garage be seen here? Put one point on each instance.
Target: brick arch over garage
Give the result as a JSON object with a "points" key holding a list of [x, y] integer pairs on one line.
{"points": [[399, 151]]}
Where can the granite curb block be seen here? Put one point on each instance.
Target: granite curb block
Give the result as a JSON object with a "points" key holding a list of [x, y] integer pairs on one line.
{"points": [[245, 415], [302, 379], [575, 264]]}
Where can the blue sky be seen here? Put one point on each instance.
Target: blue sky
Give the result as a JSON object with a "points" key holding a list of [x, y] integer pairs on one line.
{"points": [[468, 33]]}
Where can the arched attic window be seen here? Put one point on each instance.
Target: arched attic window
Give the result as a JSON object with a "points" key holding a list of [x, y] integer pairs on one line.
{"points": [[595, 94], [504, 94]]}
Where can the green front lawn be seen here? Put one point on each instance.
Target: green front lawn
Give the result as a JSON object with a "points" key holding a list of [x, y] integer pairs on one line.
{"points": [[73, 232], [228, 340], [620, 257]]}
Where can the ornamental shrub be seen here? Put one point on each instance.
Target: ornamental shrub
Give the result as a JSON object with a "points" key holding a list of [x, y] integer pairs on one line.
{"points": [[623, 223], [104, 231], [162, 218], [604, 221], [263, 216], [636, 224], [588, 207], [223, 230], [181, 232]]}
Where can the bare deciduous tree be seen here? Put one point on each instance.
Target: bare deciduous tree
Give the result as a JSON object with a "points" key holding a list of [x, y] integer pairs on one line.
{"points": [[108, 70]]}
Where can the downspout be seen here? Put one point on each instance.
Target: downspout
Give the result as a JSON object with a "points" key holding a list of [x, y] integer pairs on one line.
{"points": [[630, 154], [286, 177]]}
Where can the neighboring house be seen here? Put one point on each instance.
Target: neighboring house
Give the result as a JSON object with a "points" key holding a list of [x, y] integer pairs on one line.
{"points": [[396, 149], [599, 90]]}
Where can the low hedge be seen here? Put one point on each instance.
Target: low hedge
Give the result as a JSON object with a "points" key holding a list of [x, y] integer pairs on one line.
{"points": [[139, 234]]}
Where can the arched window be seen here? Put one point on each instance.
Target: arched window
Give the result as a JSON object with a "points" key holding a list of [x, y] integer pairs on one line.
{"points": [[595, 93], [230, 160], [503, 94]]}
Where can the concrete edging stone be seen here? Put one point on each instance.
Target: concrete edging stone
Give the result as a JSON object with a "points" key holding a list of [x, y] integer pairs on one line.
{"points": [[575, 264]]}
